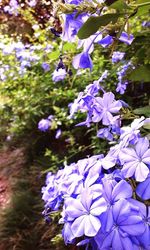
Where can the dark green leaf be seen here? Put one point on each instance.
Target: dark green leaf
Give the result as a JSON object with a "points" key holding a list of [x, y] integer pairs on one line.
{"points": [[142, 111], [93, 24], [140, 74]]}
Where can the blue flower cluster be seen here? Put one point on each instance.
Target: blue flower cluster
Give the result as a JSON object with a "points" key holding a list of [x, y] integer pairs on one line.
{"points": [[12, 8], [121, 72], [102, 197], [103, 109], [96, 197], [24, 56], [72, 24]]}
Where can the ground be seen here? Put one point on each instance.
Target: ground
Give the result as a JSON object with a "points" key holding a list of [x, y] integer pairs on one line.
{"points": [[11, 161]]}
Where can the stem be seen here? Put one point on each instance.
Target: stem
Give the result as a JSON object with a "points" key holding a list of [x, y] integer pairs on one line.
{"points": [[140, 5]]}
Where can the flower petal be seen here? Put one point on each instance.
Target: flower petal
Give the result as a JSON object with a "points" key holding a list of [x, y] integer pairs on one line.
{"points": [[98, 207], [78, 226], [141, 172], [92, 225], [121, 190]]}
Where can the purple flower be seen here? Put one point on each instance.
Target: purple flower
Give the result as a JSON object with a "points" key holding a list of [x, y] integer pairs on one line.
{"points": [[93, 88], [117, 56], [59, 75], [146, 24], [143, 240], [8, 49], [32, 3], [114, 191], [106, 41], [12, 8], [82, 60], [71, 26], [105, 134], [45, 66], [121, 72], [126, 224], [58, 133], [84, 214], [132, 134], [105, 107], [51, 194], [143, 189], [121, 87], [25, 64], [75, 105], [128, 39], [44, 125], [135, 160]]}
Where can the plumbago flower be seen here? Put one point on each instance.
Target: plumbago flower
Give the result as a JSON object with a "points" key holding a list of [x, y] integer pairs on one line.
{"points": [[121, 72], [83, 213], [128, 136], [104, 108], [131, 134], [45, 66], [117, 56], [82, 102], [60, 72], [12, 8], [95, 205], [136, 160], [143, 188], [82, 61], [72, 23], [44, 124], [95, 194], [71, 26], [97, 108], [59, 75], [126, 224]]}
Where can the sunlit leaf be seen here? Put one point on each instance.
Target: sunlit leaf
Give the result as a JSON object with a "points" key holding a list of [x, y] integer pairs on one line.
{"points": [[94, 23], [142, 111]]}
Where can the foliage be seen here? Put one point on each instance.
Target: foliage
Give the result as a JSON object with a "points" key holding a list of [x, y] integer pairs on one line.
{"points": [[88, 68]]}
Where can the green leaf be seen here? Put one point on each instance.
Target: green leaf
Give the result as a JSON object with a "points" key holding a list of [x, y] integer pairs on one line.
{"points": [[69, 47], [143, 9], [54, 55], [142, 1], [140, 74], [120, 5], [142, 111], [147, 126], [94, 23]]}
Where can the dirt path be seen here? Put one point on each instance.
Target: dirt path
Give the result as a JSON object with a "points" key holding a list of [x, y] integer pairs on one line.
{"points": [[11, 163], [22, 226]]}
